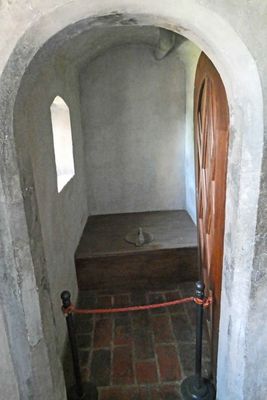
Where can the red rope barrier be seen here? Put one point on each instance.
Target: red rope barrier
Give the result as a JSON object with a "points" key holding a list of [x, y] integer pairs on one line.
{"points": [[72, 309]]}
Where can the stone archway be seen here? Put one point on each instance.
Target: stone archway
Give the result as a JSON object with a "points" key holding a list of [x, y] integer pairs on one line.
{"points": [[26, 298]]}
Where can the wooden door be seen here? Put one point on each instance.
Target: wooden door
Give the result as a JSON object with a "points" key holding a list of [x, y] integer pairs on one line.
{"points": [[211, 122]]}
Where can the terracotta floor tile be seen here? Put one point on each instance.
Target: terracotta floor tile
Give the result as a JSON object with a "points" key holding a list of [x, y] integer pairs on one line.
{"points": [[84, 358], [123, 331], [155, 298], [134, 356], [174, 295], [121, 300], [122, 369], [169, 366], [121, 393], [83, 323], [112, 393], [84, 342], [104, 301], [103, 333], [100, 367], [162, 329], [165, 392], [182, 328], [142, 336], [138, 298], [146, 372]]}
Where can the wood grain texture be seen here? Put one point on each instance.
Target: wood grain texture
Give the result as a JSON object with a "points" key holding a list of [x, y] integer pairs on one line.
{"points": [[146, 270], [105, 234], [104, 260], [211, 121]]}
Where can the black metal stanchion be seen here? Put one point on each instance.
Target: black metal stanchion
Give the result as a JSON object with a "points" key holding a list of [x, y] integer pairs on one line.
{"points": [[196, 387], [80, 391]]}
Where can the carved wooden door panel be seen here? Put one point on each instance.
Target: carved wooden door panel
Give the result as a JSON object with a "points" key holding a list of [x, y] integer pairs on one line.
{"points": [[211, 121]]}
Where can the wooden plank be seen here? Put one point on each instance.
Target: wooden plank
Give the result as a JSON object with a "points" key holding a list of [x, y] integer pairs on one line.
{"points": [[104, 260], [105, 234], [211, 106], [149, 270]]}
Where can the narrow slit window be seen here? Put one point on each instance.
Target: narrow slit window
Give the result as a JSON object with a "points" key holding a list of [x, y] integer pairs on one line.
{"points": [[62, 138]]}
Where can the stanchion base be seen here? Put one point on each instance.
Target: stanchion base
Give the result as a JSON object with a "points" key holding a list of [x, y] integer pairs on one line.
{"points": [[89, 392], [191, 391]]}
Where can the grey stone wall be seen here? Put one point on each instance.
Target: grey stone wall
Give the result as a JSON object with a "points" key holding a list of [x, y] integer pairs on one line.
{"points": [[8, 383], [62, 215], [133, 110]]}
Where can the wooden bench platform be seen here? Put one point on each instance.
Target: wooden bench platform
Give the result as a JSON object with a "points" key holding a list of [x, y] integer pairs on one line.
{"points": [[105, 261]]}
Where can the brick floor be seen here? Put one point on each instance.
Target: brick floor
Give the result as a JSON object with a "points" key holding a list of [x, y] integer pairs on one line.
{"points": [[137, 356], [103, 333], [162, 329], [146, 372], [169, 364], [122, 331], [122, 368]]}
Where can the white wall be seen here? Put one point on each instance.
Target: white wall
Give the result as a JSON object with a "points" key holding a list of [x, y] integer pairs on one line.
{"points": [[189, 54], [133, 112]]}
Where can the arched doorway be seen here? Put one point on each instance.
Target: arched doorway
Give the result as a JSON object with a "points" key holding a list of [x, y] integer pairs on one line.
{"points": [[240, 97]]}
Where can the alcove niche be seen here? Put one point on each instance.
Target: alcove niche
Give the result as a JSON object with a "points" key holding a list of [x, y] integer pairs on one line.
{"points": [[62, 140]]}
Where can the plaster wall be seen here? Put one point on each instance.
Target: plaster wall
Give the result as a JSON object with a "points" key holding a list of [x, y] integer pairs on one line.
{"points": [[62, 215], [8, 384], [189, 54], [133, 111]]}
